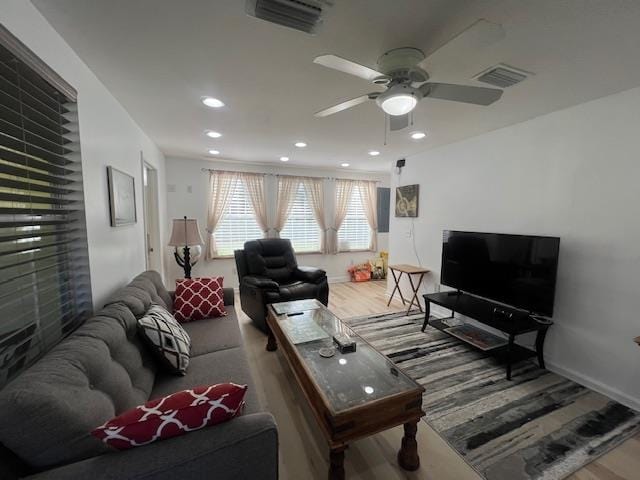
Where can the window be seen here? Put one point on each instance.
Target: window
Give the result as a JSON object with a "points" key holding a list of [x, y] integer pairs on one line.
{"points": [[45, 289], [354, 233], [238, 223], [301, 227]]}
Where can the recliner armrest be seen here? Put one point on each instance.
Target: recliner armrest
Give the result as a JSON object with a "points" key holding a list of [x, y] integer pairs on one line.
{"points": [[310, 274], [260, 282]]}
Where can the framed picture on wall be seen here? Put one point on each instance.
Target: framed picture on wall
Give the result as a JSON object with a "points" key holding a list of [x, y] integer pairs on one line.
{"points": [[122, 197], [407, 200]]}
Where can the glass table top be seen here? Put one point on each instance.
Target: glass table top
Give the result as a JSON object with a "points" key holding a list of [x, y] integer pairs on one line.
{"points": [[347, 380]]}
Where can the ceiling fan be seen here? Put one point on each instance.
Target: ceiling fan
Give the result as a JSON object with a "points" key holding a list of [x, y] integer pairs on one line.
{"points": [[402, 72]]}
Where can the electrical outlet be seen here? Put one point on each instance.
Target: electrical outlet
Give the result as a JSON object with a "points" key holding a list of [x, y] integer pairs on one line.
{"points": [[189, 189], [409, 233]]}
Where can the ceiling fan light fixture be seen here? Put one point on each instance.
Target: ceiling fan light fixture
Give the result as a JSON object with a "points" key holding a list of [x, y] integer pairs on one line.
{"points": [[399, 104]]}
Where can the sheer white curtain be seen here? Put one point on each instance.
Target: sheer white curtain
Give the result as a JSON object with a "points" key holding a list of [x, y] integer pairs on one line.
{"points": [[287, 187], [315, 194], [221, 186], [368, 197], [344, 189], [254, 183]]}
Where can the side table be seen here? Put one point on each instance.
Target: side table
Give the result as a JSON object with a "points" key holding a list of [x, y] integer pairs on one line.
{"points": [[410, 271]]}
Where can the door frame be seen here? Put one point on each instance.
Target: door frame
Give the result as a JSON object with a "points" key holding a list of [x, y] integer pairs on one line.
{"points": [[152, 238]]}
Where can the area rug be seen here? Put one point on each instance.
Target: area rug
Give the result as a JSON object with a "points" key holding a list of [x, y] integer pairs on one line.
{"points": [[538, 426]]}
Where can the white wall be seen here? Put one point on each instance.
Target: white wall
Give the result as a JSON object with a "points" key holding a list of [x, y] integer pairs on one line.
{"points": [[108, 136], [184, 174], [575, 174]]}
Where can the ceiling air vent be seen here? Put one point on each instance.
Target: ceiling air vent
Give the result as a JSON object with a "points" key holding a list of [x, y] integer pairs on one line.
{"points": [[303, 15], [502, 76]]}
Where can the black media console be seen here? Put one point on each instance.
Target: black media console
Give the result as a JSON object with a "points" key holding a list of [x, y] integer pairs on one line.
{"points": [[509, 321]]}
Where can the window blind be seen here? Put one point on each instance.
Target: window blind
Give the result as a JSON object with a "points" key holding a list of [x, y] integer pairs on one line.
{"points": [[354, 233], [238, 223], [45, 289], [301, 227]]}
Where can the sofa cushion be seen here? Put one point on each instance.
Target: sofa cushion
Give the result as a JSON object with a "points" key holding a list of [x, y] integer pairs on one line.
{"points": [[166, 339], [145, 289], [229, 365], [99, 371], [172, 416], [213, 334], [198, 298]]}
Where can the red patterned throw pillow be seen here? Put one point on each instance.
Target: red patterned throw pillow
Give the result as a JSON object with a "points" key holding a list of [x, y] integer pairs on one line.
{"points": [[198, 298], [174, 415]]}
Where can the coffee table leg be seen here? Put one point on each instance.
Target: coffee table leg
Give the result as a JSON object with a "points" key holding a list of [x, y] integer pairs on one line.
{"points": [[336, 466], [408, 457], [272, 344]]}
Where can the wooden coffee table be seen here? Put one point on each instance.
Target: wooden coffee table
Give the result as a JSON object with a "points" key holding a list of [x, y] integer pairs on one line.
{"points": [[352, 395]]}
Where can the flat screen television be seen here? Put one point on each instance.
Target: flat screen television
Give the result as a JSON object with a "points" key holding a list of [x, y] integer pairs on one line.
{"points": [[517, 270]]}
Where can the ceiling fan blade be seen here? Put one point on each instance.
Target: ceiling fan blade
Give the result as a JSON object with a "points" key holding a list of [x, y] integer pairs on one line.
{"points": [[344, 105], [461, 93], [476, 36], [347, 66], [398, 122]]}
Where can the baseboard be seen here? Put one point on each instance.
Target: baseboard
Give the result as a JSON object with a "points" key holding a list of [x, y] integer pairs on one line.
{"points": [[593, 384], [338, 279]]}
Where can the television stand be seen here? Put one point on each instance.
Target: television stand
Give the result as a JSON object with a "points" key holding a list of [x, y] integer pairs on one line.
{"points": [[504, 319]]}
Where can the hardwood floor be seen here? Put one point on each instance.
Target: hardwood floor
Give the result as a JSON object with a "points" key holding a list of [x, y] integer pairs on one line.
{"points": [[303, 451]]}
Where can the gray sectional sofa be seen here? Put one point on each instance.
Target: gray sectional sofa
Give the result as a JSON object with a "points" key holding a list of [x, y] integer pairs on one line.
{"points": [[103, 369]]}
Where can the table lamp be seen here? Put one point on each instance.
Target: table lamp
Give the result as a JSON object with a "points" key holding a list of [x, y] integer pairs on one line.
{"points": [[186, 233]]}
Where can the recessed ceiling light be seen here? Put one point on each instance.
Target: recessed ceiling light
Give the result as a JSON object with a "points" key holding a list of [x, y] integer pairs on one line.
{"points": [[212, 134], [214, 152], [344, 164], [374, 153], [284, 159], [212, 102], [300, 144], [418, 135]]}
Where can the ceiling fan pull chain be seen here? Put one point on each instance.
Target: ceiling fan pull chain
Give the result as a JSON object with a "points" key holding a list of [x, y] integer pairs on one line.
{"points": [[385, 128]]}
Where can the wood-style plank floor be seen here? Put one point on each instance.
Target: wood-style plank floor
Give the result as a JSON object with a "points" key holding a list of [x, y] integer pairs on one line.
{"points": [[303, 451]]}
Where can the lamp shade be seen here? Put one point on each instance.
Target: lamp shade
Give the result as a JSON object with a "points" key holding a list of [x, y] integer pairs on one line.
{"points": [[185, 232]]}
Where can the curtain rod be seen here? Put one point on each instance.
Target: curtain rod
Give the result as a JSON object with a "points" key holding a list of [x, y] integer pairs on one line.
{"points": [[282, 175]]}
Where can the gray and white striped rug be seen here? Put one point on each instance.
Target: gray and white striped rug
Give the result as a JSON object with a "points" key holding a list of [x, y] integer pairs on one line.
{"points": [[538, 426]]}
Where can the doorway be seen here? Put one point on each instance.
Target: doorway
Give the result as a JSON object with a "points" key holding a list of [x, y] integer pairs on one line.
{"points": [[152, 243]]}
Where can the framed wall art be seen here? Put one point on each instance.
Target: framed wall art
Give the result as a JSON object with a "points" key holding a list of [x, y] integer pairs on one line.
{"points": [[122, 197], [407, 200]]}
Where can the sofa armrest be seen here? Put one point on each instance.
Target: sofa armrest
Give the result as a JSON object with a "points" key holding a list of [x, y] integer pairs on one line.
{"points": [[229, 296], [260, 282], [245, 447], [310, 274]]}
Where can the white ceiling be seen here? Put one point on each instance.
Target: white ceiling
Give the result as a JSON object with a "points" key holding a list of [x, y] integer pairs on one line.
{"points": [[158, 57]]}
